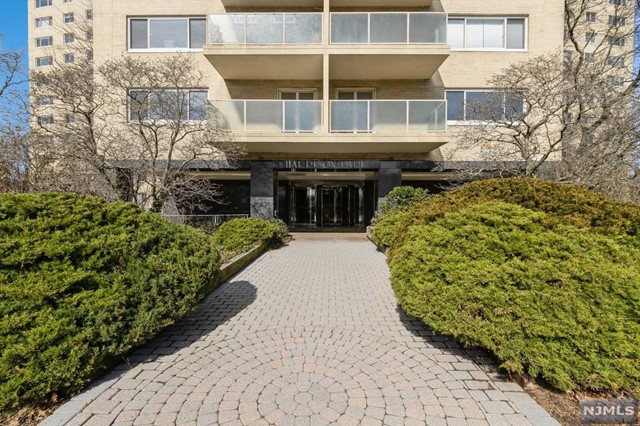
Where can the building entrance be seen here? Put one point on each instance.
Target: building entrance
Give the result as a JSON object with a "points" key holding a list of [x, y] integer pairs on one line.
{"points": [[327, 206]]}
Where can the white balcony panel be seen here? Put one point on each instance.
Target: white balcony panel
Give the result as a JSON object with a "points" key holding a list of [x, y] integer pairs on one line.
{"points": [[270, 116], [388, 116], [265, 29], [389, 28], [319, 3]]}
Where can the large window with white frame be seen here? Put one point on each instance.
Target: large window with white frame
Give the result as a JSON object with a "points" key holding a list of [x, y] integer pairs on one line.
{"points": [[167, 33], [168, 105], [47, 21], [44, 41], [487, 33], [470, 105], [44, 61]]}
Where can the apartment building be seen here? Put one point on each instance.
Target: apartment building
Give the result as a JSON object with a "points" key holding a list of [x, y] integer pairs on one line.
{"points": [[336, 101]]}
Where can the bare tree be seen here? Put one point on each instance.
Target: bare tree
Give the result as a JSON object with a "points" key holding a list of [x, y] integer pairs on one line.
{"points": [[571, 115], [13, 122], [171, 129], [130, 128]]}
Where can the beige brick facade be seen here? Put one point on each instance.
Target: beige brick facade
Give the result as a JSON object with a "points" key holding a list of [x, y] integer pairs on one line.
{"points": [[461, 69], [363, 147]]}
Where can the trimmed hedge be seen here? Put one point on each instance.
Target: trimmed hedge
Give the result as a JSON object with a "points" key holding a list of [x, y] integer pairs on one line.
{"points": [[385, 228], [568, 204], [549, 300], [82, 282], [545, 276], [403, 198], [240, 235]]}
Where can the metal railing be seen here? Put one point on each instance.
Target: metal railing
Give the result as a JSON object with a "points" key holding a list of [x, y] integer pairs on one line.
{"points": [[198, 220], [388, 28], [397, 116], [276, 116], [264, 28]]}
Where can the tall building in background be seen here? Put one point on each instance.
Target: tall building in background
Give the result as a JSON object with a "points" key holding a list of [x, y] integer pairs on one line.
{"points": [[337, 101]]}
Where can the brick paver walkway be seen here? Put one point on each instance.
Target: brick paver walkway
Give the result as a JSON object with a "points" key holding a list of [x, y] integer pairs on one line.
{"points": [[309, 334]]}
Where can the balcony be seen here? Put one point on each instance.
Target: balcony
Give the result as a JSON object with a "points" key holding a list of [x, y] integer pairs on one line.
{"points": [[388, 116], [270, 116], [383, 126], [266, 45], [362, 44], [289, 46], [319, 3]]}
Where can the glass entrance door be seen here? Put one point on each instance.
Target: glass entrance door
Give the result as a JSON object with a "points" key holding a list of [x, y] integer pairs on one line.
{"points": [[303, 206], [329, 206]]}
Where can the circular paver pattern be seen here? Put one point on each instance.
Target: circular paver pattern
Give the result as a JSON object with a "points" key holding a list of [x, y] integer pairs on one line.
{"points": [[285, 376], [310, 334]]}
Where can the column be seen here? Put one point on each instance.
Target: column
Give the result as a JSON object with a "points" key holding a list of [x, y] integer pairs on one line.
{"points": [[389, 177], [326, 95], [261, 191]]}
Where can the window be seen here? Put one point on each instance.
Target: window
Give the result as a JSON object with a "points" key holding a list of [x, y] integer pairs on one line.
{"points": [[356, 94], [167, 33], [70, 118], [45, 120], [44, 61], [616, 61], [616, 81], [69, 38], [89, 14], [297, 95], [171, 105], [69, 18], [568, 55], [89, 35], [89, 55], [44, 22], [590, 58], [616, 41], [44, 41], [618, 2], [591, 17], [487, 33], [43, 3], [69, 58], [45, 100], [590, 37], [617, 21], [479, 105], [68, 1]]}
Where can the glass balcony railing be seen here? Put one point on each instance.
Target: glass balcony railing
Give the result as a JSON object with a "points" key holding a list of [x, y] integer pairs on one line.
{"points": [[265, 28], [270, 116], [388, 28], [396, 116]]}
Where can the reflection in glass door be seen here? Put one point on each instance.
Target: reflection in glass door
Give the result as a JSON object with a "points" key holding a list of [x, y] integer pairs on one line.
{"points": [[303, 202], [331, 204], [338, 206]]}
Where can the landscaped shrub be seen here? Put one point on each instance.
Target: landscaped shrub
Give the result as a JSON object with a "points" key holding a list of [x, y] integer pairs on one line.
{"points": [[403, 198], [383, 232], [550, 299], [569, 204], [239, 235], [82, 282]]}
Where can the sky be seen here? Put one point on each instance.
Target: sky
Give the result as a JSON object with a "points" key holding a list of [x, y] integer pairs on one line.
{"points": [[13, 24]]}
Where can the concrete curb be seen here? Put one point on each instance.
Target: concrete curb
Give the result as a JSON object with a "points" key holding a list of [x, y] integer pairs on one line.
{"points": [[239, 262]]}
